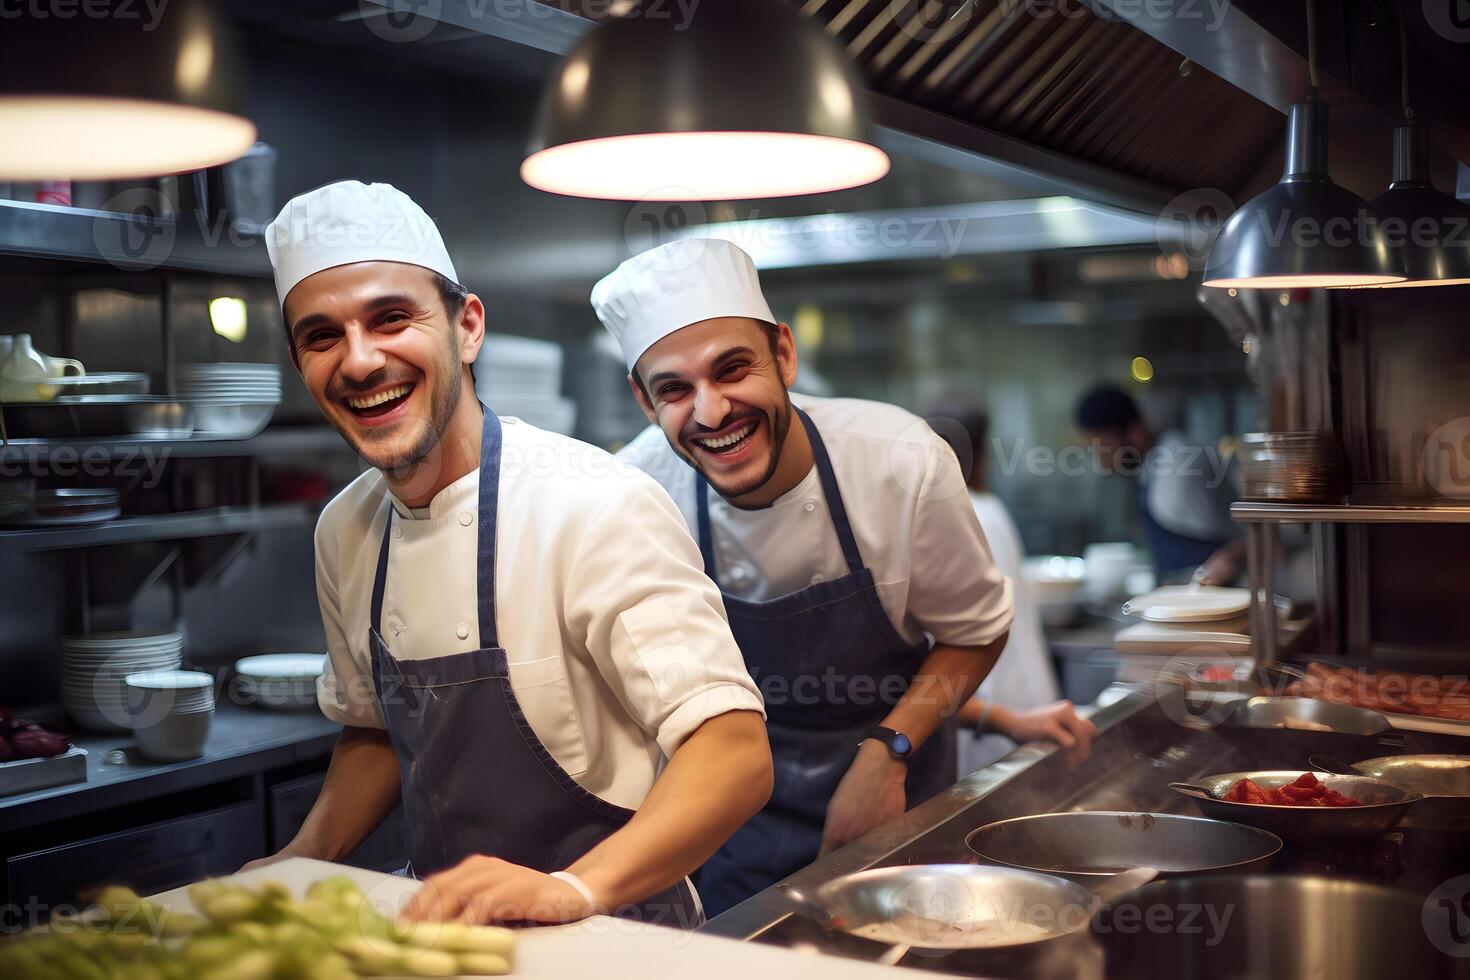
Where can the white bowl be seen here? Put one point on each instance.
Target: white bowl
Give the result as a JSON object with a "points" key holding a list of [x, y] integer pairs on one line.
{"points": [[173, 737]]}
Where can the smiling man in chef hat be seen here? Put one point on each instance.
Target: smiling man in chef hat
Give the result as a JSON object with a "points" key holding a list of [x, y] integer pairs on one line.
{"points": [[856, 577], [528, 657]]}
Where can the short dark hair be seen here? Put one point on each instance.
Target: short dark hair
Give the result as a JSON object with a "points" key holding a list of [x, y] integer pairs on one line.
{"points": [[452, 293], [966, 428], [773, 337], [1106, 409]]}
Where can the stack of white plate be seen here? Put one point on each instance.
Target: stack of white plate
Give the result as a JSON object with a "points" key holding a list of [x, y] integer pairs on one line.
{"points": [[521, 377], [170, 712], [94, 665], [231, 400], [280, 680]]}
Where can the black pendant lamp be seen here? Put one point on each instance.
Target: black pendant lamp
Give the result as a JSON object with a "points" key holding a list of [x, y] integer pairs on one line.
{"points": [[1306, 231], [745, 99], [147, 90], [1429, 230]]}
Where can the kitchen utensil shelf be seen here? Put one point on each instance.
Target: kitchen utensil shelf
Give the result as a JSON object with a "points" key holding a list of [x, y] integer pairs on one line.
{"points": [[128, 242], [279, 441], [1270, 513], [158, 527]]}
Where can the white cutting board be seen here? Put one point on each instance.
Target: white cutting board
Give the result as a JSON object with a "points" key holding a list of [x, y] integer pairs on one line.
{"points": [[601, 947]]}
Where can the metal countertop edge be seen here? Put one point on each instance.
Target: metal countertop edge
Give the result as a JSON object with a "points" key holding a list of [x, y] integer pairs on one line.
{"points": [[767, 909]]}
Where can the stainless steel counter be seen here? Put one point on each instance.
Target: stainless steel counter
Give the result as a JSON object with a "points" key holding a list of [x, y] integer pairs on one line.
{"points": [[1139, 750]]}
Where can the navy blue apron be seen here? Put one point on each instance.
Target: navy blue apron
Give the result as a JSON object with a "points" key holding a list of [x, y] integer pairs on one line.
{"points": [[1172, 552], [476, 779], [831, 666]]}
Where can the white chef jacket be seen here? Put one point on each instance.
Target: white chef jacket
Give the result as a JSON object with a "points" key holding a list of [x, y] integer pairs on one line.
{"points": [[1023, 677], [908, 506], [618, 644]]}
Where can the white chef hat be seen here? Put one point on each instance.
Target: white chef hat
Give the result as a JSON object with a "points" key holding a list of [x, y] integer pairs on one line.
{"points": [[669, 287], [347, 222]]}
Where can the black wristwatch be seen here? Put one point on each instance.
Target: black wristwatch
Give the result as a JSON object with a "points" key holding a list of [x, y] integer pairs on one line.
{"points": [[899, 744]]}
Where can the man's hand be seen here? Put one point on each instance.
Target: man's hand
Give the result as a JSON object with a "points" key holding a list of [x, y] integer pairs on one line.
{"points": [[482, 890], [1224, 567], [871, 794], [1057, 723], [280, 855]]}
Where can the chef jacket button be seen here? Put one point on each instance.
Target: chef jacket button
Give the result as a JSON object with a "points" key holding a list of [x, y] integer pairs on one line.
{"points": [[397, 531], [739, 572], [810, 506], [466, 518], [818, 578], [462, 631]]}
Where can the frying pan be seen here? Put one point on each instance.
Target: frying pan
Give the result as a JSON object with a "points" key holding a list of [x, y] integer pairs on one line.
{"points": [[1383, 805], [959, 906], [1443, 779], [1090, 846]]}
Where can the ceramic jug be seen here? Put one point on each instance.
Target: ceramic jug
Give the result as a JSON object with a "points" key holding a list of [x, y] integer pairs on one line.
{"points": [[24, 366]]}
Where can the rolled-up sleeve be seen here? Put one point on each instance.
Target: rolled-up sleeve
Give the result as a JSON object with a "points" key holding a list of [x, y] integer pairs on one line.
{"points": [[654, 623], [344, 692], [957, 594]]}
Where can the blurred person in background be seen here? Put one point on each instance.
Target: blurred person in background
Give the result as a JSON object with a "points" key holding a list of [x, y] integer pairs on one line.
{"points": [[1019, 701], [1183, 491]]}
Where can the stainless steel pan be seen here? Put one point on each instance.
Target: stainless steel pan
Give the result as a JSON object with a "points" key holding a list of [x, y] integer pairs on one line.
{"points": [[959, 906], [1443, 779], [1383, 806], [1306, 715], [1089, 846]]}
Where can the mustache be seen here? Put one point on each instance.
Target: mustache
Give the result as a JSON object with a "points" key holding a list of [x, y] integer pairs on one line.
{"points": [[695, 430], [349, 389]]}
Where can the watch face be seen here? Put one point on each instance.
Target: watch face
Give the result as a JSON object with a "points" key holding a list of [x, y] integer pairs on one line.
{"points": [[902, 745]]}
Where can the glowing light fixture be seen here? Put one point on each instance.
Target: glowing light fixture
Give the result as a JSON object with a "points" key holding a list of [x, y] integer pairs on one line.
{"points": [[736, 99], [1305, 231], [119, 96], [227, 314]]}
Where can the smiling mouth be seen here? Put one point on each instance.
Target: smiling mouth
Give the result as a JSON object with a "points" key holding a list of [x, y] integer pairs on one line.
{"points": [[378, 403], [728, 443]]}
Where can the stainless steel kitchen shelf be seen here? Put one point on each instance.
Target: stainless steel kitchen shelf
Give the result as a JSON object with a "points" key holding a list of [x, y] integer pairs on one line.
{"points": [[1263, 513], [280, 441], [127, 242], [158, 527]]}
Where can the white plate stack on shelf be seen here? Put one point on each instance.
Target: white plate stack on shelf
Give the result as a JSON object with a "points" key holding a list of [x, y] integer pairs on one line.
{"points": [[280, 680], [521, 378], [231, 400], [170, 712], [93, 668]]}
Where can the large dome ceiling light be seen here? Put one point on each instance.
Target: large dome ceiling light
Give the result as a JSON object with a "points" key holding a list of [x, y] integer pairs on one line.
{"points": [[1429, 230], [119, 97], [745, 99], [1305, 231]]}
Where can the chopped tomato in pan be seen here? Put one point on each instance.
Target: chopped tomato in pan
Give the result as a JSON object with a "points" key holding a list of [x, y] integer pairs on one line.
{"points": [[1306, 790]]}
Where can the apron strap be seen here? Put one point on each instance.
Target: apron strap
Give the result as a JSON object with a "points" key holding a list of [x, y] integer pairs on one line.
{"points": [[489, 508], [835, 507], [381, 578], [490, 441]]}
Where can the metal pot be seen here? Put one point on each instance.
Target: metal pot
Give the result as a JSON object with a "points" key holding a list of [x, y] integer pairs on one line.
{"points": [[1087, 847], [1278, 927]]}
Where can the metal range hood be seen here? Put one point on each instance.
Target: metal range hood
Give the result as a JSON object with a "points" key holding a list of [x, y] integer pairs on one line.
{"points": [[1125, 104]]}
